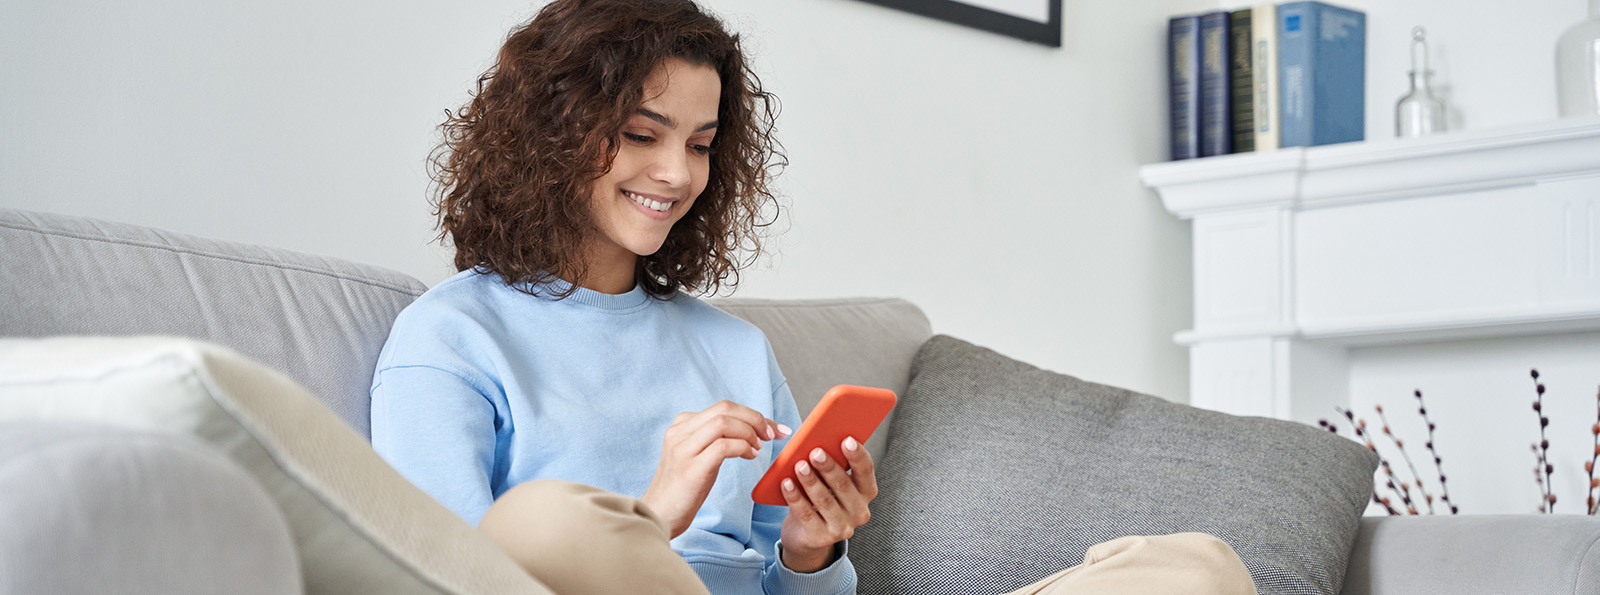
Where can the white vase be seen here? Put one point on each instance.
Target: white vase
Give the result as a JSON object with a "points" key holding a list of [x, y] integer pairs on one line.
{"points": [[1578, 67]]}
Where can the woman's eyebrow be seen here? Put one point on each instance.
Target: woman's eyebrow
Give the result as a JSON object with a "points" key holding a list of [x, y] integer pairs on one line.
{"points": [[665, 121]]}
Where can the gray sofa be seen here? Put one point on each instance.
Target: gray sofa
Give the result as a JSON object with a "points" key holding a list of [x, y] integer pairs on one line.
{"points": [[116, 506]]}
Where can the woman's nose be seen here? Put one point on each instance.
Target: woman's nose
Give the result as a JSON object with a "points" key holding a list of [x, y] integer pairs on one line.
{"points": [[671, 167]]}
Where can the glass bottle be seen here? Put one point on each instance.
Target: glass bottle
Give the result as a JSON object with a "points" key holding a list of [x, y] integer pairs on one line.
{"points": [[1420, 112], [1578, 67]]}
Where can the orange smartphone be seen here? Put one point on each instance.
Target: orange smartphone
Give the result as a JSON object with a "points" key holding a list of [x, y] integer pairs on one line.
{"points": [[843, 412]]}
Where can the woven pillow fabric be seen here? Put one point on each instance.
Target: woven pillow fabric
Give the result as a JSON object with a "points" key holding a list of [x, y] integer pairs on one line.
{"points": [[999, 474]]}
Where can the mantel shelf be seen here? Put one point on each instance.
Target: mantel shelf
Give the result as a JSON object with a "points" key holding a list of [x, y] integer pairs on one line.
{"points": [[1452, 327], [1303, 177]]}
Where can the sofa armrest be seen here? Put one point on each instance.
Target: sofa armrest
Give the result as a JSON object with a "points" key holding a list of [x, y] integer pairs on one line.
{"points": [[88, 508], [358, 526], [1490, 554]]}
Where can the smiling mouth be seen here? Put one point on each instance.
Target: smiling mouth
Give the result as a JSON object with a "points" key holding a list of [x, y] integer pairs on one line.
{"points": [[653, 205]]}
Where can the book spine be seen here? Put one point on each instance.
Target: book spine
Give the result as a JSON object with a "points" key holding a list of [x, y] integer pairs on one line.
{"points": [[1216, 122], [1338, 84], [1295, 23], [1322, 70], [1264, 33], [1241, 77], [1183, 82]]}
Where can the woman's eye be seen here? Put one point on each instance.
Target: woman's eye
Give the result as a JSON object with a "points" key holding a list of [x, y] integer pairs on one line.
{"points": [[701, 149], [638, 138]]}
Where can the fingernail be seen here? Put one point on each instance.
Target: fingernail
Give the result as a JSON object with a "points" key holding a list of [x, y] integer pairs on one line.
{"points": [[788, 485], [769, 433], [850, 444], [802, 468], [784, 431], [818, 456]]}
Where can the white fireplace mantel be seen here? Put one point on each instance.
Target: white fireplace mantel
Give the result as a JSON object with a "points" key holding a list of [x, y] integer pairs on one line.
{"points": [[1304, 253]]}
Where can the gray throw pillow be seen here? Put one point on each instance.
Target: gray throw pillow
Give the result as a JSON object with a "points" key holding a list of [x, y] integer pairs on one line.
{"points": [[999, 474]]}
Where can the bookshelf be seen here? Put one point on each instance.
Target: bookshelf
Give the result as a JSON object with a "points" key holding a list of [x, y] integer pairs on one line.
{"points": [[1302, 254]]}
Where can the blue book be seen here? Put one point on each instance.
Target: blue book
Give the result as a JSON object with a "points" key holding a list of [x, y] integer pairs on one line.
{"points": [[1183, 82], [1216, 113], [1322, 54]]}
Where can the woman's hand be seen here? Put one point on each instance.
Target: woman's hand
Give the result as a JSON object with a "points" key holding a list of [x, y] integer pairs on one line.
{"points": [[693, 451], [826, 506]]}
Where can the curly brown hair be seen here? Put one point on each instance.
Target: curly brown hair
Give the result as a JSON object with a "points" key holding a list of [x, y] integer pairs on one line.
{"points": [[517, 163]]}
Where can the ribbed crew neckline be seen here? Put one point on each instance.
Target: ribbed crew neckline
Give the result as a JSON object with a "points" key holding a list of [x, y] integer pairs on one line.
{"points": [[634, 298], [631, 300]]}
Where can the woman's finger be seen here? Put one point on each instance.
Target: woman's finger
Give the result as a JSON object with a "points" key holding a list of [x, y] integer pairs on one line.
{"points": [[834, 475], [715, 427], [694, 432], [862, 469], [799, 507], [819, 493], [766, 428], [852, 503], [727, 448]]}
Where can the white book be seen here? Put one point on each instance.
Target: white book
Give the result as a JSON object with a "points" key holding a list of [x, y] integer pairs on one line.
{"points": [[1264, 33]]}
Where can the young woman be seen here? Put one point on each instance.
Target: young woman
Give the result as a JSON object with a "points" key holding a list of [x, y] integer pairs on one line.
{"points": [[565, 394], [616, 155]]}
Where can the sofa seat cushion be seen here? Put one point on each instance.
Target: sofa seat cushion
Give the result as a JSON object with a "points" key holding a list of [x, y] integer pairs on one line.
{"points": [[1480, 554], [999, 474], [358, 526]]}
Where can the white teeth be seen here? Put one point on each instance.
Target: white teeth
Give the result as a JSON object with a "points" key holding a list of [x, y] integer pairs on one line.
{"points": [[650, 204]]}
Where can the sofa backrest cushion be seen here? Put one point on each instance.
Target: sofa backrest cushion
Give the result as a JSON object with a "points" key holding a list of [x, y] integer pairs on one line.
{"points": [[999, 474], [319, 320], [821, 343]]}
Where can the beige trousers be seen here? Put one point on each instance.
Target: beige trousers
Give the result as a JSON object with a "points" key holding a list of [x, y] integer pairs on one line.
{"points": [[580, 540]]}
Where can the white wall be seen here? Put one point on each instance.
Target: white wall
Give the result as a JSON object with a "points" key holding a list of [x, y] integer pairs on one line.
{"points": [[296, 124], [991, 181]]}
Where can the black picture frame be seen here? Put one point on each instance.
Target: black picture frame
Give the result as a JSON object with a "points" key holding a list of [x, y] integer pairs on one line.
{"points": [[962, 13]]}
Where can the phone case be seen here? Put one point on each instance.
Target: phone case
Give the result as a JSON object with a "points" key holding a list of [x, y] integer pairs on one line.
{"points": [[843, 412]]}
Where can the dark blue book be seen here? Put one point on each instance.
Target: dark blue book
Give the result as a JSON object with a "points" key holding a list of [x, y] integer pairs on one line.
{"points": [[1322, 55], [1183, 82], [1216, 113]]}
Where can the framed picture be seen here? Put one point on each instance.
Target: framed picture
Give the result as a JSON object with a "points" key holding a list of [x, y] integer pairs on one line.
{"points": [[1038, 21]]}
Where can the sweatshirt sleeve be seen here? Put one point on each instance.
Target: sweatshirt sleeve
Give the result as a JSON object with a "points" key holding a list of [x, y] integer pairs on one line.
{"points": [[838, 578], [438, 431]]}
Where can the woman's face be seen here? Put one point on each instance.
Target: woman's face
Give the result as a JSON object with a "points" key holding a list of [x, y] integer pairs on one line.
{"points": [[662, 164]]}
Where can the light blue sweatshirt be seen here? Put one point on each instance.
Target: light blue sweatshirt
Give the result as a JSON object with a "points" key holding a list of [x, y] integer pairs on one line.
{"points": [[481, 387]]}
